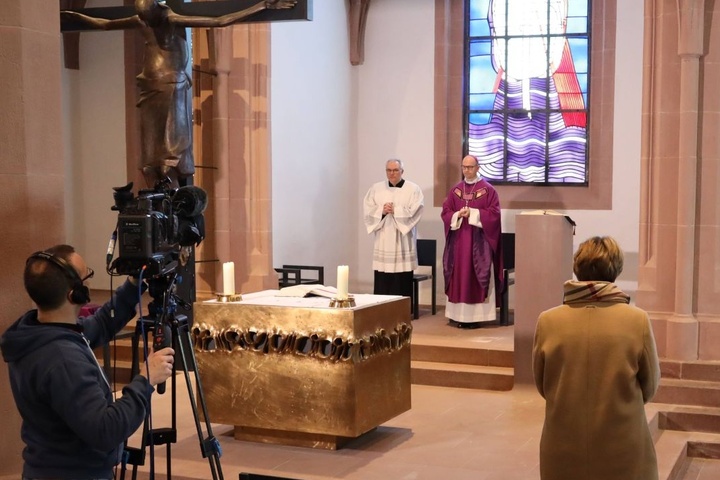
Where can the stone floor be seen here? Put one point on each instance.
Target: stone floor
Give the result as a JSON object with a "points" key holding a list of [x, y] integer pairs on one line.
{"points": [[449, 433]]}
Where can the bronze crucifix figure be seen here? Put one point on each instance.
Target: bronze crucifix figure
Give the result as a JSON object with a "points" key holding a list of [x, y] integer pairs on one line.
{"points": [[165, 102]]}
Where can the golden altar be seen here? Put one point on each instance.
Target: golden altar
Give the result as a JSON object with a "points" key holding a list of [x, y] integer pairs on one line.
{"points": [[297, 372]]}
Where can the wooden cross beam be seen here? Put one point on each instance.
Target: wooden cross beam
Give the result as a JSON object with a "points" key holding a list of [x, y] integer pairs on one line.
{"points": [[301, 11]]}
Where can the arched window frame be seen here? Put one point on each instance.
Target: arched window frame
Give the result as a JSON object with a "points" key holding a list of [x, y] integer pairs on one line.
{"points": [[449, 110], [527, 89]]}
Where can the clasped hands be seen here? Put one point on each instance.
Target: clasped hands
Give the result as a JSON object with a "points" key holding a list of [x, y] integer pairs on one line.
{"points": [[464, 212], [388, 208]]}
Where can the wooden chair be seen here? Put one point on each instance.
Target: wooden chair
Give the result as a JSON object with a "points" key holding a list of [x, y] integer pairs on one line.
{"points": [[427, 257], [508, 246], [298, 275]]}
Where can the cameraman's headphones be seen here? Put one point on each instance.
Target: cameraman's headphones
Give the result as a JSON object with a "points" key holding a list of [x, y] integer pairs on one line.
{"points": [[79, 293]]}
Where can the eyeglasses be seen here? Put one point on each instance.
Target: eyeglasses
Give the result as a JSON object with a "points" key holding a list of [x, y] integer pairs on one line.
{"points": [[90, 274], [392, 170], [469, 167]]}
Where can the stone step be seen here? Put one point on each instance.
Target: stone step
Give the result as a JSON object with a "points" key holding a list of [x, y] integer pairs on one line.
{"points": [[701, 469], [690, 419], [462, 355], [688, 392], [678, 448], [705, 450], [456, 375], [695, 370], [685, 446], [687, 440], [672, 458]]}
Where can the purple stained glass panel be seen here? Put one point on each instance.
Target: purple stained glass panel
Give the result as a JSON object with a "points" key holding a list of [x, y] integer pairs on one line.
{"points": [[527, 94]]}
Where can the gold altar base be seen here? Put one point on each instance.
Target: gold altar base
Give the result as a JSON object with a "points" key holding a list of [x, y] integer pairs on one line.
{"points": [[293, 439], [300, 375]]}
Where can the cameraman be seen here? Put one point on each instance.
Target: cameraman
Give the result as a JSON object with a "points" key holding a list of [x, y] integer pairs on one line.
{"points": [[72, 428]]}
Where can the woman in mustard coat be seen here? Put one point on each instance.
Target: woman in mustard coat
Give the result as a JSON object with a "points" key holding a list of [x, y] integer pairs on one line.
{"points": [[596, 365]]}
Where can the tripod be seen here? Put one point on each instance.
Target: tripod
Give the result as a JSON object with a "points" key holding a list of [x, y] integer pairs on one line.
{"points": [[164, 323]]}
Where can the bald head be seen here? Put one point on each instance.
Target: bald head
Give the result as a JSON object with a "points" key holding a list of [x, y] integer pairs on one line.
{"points": [[470, 167]]}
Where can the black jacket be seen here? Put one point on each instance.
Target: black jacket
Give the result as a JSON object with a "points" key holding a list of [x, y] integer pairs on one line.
{"points": [[71, 426]]}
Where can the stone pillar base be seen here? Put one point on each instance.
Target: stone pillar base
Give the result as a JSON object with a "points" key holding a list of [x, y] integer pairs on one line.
{"points": [[709, 331], [681, 337]]}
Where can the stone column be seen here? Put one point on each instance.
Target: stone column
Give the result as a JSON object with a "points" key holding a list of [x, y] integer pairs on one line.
{"points": [[32, 191], [221, 51], [235, 140], [708, 221], [250, 166], [682, 325], [669, 256]]}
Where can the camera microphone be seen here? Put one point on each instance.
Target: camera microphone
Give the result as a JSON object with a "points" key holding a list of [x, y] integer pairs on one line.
{"points": [[190, 201], [111, 247]]}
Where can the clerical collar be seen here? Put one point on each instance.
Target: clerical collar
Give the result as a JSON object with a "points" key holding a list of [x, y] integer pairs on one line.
{"points": [[399, 185], [474, 180]]}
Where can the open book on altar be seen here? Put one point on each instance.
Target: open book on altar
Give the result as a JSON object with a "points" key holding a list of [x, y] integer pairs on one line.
{"points": [[308, 291], [550, 212], [540, 212]]}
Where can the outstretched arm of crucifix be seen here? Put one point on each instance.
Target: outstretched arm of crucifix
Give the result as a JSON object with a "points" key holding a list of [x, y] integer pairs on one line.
{"points": [[230, 18], [103, 23]]}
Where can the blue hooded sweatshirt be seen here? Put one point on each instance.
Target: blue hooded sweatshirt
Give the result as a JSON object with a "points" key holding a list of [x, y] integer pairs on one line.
{"points": [[71, 426]]}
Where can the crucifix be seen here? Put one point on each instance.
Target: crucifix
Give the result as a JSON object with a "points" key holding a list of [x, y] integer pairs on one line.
{"points": [[165, 102]]}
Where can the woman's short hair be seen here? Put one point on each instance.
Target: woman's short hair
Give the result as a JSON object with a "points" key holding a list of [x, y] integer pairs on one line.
{"points": [[598, 259]]}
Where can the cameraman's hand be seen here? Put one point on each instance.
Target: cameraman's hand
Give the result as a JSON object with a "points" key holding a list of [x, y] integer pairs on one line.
{"points": [[159, 366]]}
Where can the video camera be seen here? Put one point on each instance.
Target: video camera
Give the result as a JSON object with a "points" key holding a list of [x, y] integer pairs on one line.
{"points": [[154, 226]]}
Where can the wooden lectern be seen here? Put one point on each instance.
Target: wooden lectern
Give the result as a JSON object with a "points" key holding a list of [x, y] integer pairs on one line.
{"points": [[543, 263]]}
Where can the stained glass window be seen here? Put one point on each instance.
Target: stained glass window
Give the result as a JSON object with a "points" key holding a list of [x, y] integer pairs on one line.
{"points": [[527, 88]]}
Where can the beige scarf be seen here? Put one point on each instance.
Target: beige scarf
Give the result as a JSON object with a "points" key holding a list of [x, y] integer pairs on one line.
{"points": [[584, 292]]}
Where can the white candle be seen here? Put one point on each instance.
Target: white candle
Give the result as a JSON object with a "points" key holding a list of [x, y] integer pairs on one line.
{"points": [[342, 282], [228, 278]]}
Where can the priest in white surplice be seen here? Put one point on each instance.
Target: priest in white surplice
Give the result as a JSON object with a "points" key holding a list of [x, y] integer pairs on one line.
{"points": [[392, 209]]}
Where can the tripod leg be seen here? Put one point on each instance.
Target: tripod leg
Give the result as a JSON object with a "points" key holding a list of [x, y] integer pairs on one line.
{"points": [[135, 456], [210, 446]]}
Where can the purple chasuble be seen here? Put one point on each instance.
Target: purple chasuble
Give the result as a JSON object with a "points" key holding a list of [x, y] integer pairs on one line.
{"points": [[471, 251]]}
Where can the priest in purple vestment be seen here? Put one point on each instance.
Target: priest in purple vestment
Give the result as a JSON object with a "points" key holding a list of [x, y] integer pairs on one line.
{"points": [[472, 260]]}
